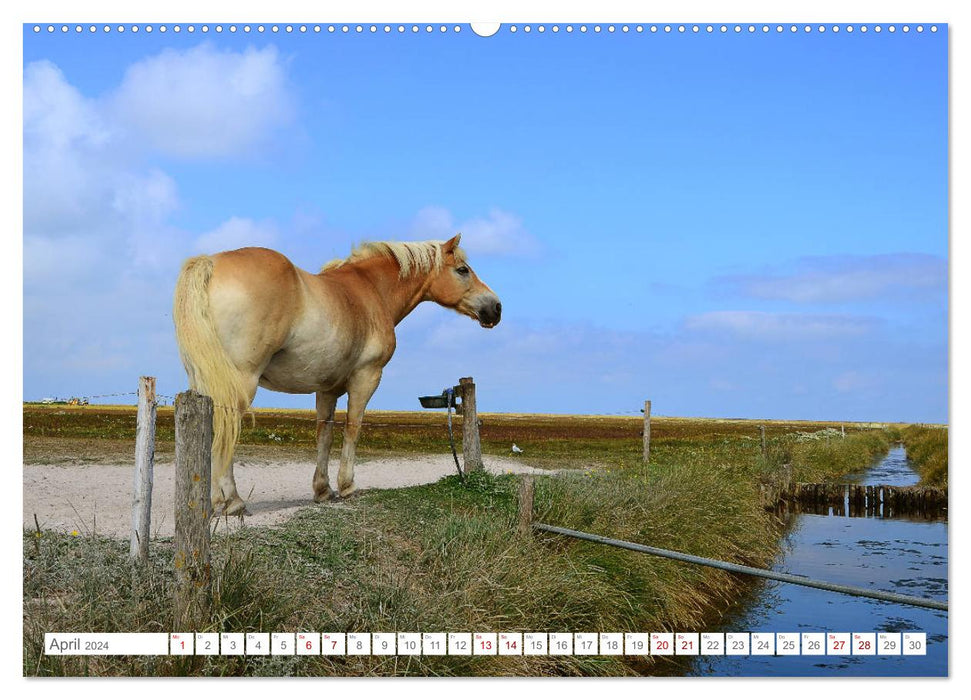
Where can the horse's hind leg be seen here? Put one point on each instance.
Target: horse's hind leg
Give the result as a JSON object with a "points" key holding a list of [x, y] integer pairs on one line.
{"points": [[225, 498], [325, 436], [359, 392], [226, 427]]}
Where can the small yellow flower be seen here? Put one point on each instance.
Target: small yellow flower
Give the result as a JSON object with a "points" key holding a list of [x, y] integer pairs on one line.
{"points": [[74, 533]]}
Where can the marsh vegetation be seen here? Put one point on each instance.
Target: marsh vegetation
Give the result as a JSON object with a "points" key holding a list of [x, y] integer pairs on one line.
{"points": [[444, 556]]}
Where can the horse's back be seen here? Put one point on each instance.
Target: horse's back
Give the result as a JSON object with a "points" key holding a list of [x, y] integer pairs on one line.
{"points": [[254, 265], [254, 295]]}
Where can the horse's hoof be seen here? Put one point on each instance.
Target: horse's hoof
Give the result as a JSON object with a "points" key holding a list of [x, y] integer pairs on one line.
{"points": [[348, 491], [325, 496], [235, 507]]}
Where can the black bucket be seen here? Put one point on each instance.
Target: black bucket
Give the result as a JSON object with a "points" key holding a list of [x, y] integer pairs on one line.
{"points": [[440, 401]]}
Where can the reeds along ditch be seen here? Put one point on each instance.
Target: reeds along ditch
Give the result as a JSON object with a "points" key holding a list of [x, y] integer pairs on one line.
{"points": [[927, 448], [445, 557], [830, 457]]}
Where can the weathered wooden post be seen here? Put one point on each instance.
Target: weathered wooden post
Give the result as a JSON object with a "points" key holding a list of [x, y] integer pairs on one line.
{"points": [[526, 492], [647, 432], [762, 439], [471, 448], [193, 452], [141, 507]]}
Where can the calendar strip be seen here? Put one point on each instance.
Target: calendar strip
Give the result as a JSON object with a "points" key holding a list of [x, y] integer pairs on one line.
{"points": [[488, 644]]}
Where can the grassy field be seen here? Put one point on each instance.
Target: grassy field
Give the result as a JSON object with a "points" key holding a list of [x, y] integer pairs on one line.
{"points": [[106, 433], [443, 557], [927, 449]]}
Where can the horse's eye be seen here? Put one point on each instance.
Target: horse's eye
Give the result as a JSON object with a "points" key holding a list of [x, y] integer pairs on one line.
{"points": [[462, 270]]}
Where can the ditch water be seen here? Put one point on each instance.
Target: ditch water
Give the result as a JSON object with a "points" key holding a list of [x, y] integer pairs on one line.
{"points": [[903, 556]]}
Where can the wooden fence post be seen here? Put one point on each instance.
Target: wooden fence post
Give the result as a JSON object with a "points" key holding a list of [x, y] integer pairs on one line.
{"points": [[647, 432], [526, 493], [762, 438], [193, 451], [471, 448], [141, 507]]}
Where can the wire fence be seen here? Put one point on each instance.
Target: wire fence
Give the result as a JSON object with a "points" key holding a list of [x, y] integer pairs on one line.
{"points": [[334, 421], [340, 423], [504, 417]]}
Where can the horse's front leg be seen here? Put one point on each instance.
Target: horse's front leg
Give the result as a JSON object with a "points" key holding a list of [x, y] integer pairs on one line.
{"points": [[325, 435], [359, 391]]}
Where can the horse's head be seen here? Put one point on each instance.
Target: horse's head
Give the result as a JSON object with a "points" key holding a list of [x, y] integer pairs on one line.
{"points": [[456, 286]]}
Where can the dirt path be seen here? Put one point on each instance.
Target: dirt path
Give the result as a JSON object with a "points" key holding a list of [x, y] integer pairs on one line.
{"points": [[97, 497]]}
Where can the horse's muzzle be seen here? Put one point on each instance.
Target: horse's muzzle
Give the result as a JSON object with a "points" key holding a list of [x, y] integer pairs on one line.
{"points": [[489, 313]]}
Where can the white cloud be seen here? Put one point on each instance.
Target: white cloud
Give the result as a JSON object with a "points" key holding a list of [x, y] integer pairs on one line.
{"points": [[56, 115], [62, 260], [145, 197], [90, 214], [101, 252], [853, 381], [762, 325], [848, 278], [237, 233], [434, 222], [92, 209], [525, 366], [203, 103], [500, 233], [66, 144]]}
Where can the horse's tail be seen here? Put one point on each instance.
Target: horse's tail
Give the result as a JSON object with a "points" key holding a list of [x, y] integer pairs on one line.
{"points": [[210, 369]]}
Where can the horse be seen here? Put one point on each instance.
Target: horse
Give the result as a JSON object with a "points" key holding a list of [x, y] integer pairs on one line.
{"points": [[249, 317]]}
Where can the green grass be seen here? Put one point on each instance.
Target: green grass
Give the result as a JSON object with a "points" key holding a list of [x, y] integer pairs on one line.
{"points": [[446, 556], [829, 458], [927, 449], [549, 440]]}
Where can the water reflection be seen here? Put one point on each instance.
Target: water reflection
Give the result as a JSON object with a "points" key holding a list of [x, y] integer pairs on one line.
{"points": [[908, 557]]}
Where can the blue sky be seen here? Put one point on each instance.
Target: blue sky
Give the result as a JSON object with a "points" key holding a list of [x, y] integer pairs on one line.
{"points": [[737, 225]]}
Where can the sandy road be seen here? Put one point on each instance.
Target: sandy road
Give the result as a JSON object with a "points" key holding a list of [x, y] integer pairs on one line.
{"points": [[97, 497]]}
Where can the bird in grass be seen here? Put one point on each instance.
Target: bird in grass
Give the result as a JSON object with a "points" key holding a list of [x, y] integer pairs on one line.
{"points": [[516, 450]]}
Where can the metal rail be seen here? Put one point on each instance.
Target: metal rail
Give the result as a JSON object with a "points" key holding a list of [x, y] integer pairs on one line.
{"points": [[750, 570]]}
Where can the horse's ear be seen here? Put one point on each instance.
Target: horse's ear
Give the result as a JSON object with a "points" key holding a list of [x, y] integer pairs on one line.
{"points": [[452, 243]]}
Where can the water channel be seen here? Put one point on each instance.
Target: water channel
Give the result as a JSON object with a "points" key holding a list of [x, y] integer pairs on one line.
{"points": [[904, 556]]}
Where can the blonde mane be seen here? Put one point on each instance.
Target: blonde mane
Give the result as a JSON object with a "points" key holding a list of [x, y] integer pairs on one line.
{"points": [[412, 257]]}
